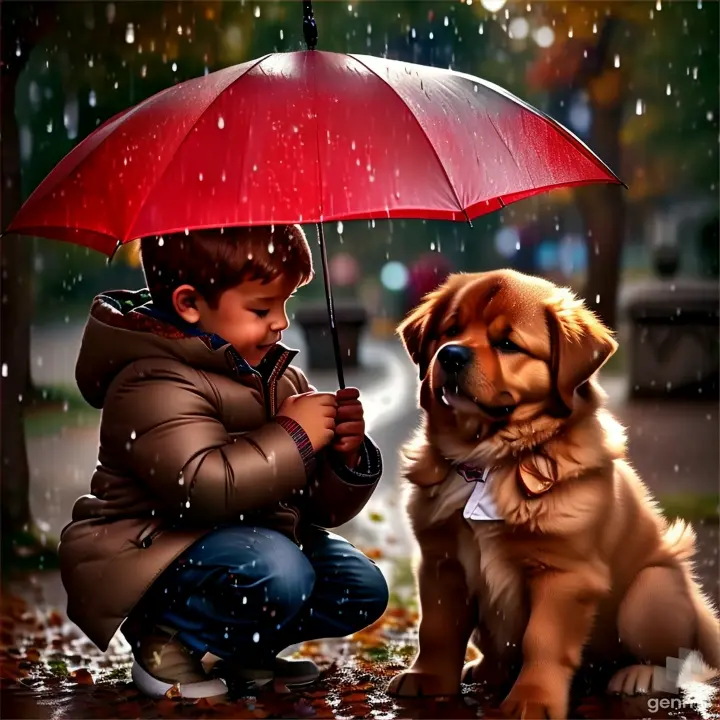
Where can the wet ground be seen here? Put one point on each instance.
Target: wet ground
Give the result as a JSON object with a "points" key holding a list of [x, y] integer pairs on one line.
{"points": [[48, 670]]}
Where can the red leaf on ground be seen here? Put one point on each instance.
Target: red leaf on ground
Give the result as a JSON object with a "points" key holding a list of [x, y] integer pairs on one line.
{"points": [[82, 677], [10, 671], [173, 692], [360, 710], [55, 619], [354, 697]]}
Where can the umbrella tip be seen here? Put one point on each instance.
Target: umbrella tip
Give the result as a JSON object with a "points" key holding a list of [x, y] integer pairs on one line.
{"points": [[309, 26]]}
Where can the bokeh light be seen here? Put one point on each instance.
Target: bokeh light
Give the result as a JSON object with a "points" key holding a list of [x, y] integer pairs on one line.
{"points": [[394, 276]]}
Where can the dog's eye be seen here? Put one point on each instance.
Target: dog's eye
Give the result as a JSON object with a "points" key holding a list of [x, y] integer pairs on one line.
{"points": [[507, 346], [453, 331]]}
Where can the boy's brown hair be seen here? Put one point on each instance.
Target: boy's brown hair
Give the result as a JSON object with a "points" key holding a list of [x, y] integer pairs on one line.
{"points": [[215, 260]]}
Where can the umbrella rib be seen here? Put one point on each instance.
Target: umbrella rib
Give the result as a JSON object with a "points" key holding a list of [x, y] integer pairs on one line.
{"points": [[185, 137], [567, 134], [317, 141], [419, 124]]}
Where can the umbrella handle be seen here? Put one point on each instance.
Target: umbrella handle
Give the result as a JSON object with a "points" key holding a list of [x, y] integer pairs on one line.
{"points": [[331, 307], [309, 26]]}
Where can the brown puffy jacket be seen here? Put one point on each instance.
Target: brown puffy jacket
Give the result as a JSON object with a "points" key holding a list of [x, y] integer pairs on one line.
{"points": [[188, 441]]}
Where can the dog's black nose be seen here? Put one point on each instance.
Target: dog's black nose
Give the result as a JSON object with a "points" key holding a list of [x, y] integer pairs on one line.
{"points": [[453, 358]]}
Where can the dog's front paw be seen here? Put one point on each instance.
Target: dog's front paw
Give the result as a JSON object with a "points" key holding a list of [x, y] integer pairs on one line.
{"points": [[416, 683], [534, 702], [635, 680]]}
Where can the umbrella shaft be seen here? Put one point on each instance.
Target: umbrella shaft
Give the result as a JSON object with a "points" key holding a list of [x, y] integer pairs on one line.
{"points": [[330, 306]]}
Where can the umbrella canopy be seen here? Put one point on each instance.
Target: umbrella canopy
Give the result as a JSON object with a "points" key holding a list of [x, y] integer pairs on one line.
{"points": [[306, 137]]}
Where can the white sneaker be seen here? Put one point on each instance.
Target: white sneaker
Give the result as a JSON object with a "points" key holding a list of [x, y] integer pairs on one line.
{"points": [[163, 663], [153, 687]]}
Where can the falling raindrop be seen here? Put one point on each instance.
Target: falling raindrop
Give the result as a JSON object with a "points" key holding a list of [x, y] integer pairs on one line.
{"points": [[133, 435], [4, 370], [92, 98], [18, 50], [257, 11], [130, 34], [639, 107], [481, 29], [271, 247], [617, 61], [340, 227], [161, 241], [597, 299], [658, 5], [256, 637], [668, 90], [221, 122], [282, 34]]}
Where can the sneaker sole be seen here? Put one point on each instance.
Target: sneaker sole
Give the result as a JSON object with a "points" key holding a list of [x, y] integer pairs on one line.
{"points": [[261, 679], [155, 688]]}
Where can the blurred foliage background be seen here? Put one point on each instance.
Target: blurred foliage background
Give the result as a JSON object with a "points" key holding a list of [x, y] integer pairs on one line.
{"points": [[638, 81]]}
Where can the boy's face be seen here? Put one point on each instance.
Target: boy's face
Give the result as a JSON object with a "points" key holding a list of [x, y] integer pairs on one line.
{"points": [[250, 316]]}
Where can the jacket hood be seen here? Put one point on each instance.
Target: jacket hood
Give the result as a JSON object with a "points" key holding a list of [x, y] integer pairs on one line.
{"points": [[124, 326]]}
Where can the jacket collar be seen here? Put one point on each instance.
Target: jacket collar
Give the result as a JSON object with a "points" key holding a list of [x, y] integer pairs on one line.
{"points": [[273, 365]]}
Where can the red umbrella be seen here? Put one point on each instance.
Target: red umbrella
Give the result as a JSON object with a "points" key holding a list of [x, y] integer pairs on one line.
{"points": [[306, 137]]}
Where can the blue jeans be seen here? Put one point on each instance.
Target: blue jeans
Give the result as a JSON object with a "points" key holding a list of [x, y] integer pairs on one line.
{"points": [[247, 593]]}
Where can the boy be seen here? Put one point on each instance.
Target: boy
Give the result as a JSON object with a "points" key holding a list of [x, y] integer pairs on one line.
{"points": [[218, 468]]}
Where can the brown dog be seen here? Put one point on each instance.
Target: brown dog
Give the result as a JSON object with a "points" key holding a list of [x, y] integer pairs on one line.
{"points": [[537, 537]]}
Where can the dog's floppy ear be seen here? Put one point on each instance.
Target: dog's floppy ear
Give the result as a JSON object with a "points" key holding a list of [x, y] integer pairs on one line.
{"points": [[420, 327], [580, 344]]}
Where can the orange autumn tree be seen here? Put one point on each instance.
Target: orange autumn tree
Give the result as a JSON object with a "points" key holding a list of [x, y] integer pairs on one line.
{"points": [[583, 58], [649, 73]]}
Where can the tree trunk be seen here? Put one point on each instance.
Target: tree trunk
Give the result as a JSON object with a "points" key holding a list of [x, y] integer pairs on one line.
{"points": [[15, 316], [603, 211], [22, 24], [603, 206]]}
